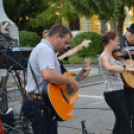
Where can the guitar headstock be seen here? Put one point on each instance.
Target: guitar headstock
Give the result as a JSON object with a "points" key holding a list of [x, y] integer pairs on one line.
{"points": [[87, 61], [86, 42]]}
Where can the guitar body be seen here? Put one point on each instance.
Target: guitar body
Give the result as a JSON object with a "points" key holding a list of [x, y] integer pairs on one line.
{"points": [[128, 77], [60, 100]]}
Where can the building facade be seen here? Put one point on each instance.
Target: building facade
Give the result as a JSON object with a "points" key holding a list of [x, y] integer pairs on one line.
{"points": [[94, 24]]}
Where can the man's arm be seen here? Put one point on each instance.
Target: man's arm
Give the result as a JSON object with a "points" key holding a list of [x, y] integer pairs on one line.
{"points": [[55, 77]]}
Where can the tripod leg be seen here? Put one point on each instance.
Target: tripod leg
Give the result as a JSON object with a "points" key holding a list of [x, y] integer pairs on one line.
{"points": [[3, 91], [20, 85], [84, 130]]}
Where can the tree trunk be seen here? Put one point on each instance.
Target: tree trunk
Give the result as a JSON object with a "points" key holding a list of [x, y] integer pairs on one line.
{"points": [[104, 27], [113, 26], [120, 22], [120, 28]]}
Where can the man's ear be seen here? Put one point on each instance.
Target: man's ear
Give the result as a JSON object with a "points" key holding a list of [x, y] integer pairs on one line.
{"points": [[57, 36]]}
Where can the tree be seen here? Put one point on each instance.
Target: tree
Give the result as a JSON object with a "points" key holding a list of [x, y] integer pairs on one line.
{"points": [[57, 10], [112, 10], [22, 11], [88, 8]]}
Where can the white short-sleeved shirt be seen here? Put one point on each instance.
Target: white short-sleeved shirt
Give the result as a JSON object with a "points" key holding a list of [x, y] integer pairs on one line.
{"points": [[42, 57]]}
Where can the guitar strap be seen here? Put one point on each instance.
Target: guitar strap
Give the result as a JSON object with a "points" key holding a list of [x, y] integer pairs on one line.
{"points": [[52, 116], [35, 80], [63, 70]]}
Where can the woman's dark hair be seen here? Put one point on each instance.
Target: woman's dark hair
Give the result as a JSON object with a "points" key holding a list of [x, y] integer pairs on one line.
{"points": [[107, 37], [62, 30]]}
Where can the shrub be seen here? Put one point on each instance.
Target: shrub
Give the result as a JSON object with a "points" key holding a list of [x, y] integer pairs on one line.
{"points": [[74, 60], [94, 48], [73, 73], [30, 39]]}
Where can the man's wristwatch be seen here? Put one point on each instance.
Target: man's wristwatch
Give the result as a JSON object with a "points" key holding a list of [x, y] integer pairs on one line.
{"points": [[124, 66]]}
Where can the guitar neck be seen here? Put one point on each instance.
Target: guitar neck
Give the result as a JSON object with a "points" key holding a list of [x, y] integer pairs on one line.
{"points": [[84, 43], [77, 78], [67, 53]]}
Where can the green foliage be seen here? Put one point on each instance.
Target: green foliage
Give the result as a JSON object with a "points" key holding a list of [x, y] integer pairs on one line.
{"points": [[94, 48], [74, 60], [73, 73], [79, 60], [91, 7], [30, 39], [106, 9], [55, 13], [37, 15], [22, 11], [112, 10], [118, 12]]}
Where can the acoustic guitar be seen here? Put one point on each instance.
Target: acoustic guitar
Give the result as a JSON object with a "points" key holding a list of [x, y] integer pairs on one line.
{"points": [[84, 44], [128, 77], [61, 98]]}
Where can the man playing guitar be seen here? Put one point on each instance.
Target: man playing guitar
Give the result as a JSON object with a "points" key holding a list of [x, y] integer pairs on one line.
{"points": [[46, 68]]}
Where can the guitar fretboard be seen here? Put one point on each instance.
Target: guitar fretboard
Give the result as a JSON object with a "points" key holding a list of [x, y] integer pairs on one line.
{"points": [[67, 53], [84, 43], [77, 78]]}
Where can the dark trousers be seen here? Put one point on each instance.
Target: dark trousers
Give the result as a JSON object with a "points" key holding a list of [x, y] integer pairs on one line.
{"points": [[116, 101], [39, 115], [129, 96], [133, 114]]}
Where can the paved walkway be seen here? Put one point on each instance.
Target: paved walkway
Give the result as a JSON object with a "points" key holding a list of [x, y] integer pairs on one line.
{"points": [[77, 68], [90, 107]]}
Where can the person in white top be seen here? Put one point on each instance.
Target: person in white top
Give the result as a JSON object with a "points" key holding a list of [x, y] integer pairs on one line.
{"points": [[113, 91]]}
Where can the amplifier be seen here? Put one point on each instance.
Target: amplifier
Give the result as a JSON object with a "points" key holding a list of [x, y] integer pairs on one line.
{"points": [[15, 57]]}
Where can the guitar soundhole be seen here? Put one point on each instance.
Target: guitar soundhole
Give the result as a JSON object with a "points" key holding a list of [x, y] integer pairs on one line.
{"points": [[69, 90]]}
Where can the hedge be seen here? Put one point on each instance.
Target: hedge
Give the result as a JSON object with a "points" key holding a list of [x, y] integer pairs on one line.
{"points": [[30, 39], [94, 48]]}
